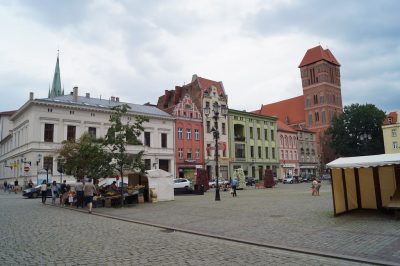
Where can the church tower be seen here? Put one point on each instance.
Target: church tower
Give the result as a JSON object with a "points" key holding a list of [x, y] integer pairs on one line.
{"points": [[56, 85], [320, 75]]}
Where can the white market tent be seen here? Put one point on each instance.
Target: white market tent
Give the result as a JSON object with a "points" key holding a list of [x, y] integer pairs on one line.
{"points": [[163, 182], [158, 179], [365, 182]]}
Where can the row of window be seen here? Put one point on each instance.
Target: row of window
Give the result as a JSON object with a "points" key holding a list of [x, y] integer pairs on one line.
{"points": [[241, 118], [189, 134], [209, 148], [240, 135], [332, 114], [223, 127], [240, 152], [71, 135], [147, 139], [286, 141], [285, 155], [71, 132], [188, 154], [332, 99]]}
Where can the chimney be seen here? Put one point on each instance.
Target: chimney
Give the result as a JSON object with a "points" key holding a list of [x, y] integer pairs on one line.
{"points": [[88, 95], [75, 94], [31, 96], [117, 99], [112, 98]]}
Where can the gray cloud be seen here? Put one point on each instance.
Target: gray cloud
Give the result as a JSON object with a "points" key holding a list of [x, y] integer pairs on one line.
{"points": [[135, 49], [56, 14]]}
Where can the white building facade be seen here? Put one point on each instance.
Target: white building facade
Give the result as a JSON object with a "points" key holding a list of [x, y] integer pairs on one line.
{"points": [[32, 135]]}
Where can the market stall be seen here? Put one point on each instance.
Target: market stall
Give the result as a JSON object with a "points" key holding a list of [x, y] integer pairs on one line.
{"points": [[365, 182], [158, 184]]}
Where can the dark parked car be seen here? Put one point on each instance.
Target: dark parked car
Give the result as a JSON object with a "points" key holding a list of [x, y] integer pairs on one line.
{"points": [[36, 192], [249, 180]]}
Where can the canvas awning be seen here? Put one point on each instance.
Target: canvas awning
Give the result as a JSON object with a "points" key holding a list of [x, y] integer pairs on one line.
{"points": [[365, 161]]}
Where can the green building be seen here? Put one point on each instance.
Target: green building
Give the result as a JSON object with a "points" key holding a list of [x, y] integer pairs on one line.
{"points": [[252, 143]]}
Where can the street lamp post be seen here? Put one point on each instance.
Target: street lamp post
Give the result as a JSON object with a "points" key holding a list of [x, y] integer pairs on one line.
{"points": [[217, 110]]}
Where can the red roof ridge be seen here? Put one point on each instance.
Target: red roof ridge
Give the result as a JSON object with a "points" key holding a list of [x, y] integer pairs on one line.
{"points": [[316, 54], [283, 127]]}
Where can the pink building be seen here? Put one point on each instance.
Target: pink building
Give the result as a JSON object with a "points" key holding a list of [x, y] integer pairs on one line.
{"points": [[288, 157], [189, 141]]}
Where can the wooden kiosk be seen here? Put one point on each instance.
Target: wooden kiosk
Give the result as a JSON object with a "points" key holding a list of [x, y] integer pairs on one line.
{"points": [[366, 182]]}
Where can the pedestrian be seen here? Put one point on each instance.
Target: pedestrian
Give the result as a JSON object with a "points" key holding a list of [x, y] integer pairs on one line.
{"points": [[314, 187], [318, 187], [30, 183], [5, 186], [43, 190], [234, 186], [88, 190], [16, 186], [54, 192], [79, 194], [70, 198], [63, 190]]}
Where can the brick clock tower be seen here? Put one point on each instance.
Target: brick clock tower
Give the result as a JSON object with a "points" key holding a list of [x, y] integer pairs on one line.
{"points": [[320, 76]]}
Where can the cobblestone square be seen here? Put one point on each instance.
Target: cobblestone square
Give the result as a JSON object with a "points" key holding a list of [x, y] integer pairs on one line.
{"points": [[286, 216]]}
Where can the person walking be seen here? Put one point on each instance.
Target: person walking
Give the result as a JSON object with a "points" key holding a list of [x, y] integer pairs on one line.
{"points": [[79, 194], [5, 186], [43, 190], [234, 186], [88, 191], [16, 187], [318, 187], [54, 192], [314, 187], [63, 190]]}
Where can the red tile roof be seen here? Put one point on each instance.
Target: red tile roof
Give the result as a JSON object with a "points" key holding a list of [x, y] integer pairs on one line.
{"points": [[283, 127], [291, 109], [317, 54], [392, 116], [205, 84]]}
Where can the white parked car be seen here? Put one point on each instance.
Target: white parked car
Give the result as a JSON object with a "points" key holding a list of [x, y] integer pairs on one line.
{"points": [[288, 180], [212, 183], [182, 183]]}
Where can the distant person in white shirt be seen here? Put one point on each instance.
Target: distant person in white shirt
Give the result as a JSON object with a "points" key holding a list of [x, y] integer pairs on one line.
{"points": [[43, 190]]}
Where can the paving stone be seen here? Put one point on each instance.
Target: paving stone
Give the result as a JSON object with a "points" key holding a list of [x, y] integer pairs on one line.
{"points": [[33, 234]]}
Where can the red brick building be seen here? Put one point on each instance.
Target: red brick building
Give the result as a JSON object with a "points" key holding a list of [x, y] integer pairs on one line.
{"points": [[204, 93], [320, 102], [189, 144]]}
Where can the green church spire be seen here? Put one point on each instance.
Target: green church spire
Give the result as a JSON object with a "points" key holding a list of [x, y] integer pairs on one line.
{"points": [[56, 85]]}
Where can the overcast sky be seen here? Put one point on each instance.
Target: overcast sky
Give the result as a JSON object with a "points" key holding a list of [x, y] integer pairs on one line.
{"points": [[137, 49]]}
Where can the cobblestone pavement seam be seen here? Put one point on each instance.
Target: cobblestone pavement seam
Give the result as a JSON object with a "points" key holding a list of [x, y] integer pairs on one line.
{"points": [[237, 240]]}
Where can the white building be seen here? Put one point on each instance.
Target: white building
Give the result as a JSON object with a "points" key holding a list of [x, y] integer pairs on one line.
{"points": [[31, 136]]}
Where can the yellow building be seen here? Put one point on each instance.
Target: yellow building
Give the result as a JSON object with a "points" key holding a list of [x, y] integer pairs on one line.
{"points": [[391, 133]]}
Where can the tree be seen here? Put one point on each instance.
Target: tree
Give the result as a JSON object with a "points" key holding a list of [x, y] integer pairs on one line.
{"points": [[85, 158], [120, 135], [357, 131]]}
